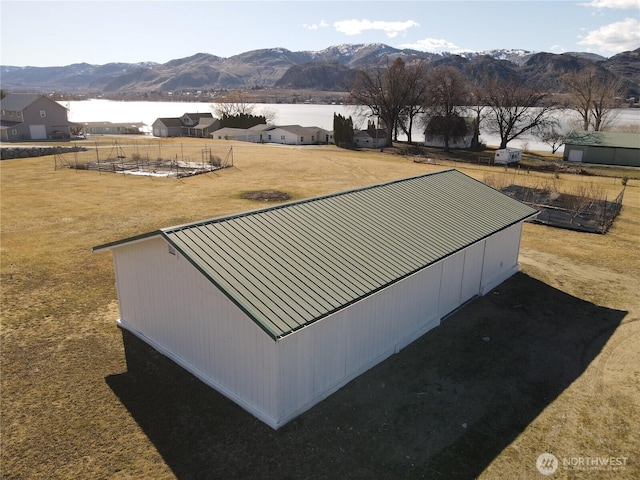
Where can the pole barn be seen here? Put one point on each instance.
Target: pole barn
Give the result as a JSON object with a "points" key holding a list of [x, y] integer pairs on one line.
{"points": [[278, 308]]}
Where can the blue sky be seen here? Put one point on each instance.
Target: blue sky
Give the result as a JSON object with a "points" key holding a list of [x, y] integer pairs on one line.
{"points": [[53, 33]]}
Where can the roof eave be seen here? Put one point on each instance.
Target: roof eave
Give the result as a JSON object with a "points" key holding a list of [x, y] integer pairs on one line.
{"points": [[126, 241]]}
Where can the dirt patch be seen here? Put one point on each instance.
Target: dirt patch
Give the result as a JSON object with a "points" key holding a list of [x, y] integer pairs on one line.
{"points": [[266, 196]]}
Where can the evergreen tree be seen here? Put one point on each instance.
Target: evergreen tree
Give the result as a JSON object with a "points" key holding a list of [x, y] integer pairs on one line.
{"points": [[342, 130], [241, 120]]}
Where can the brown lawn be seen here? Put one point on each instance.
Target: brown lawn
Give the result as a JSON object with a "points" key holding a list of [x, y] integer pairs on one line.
{"points": [[549, 362]]}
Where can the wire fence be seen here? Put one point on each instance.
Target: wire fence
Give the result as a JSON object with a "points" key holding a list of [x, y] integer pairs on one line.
{"points": [[585, 213], [177, 166]]}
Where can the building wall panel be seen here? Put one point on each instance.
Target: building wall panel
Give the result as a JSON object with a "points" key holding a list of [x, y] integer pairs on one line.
{"points": [[500, 257], [451, 283], [338, 348], [177, 310], [472, 272]]}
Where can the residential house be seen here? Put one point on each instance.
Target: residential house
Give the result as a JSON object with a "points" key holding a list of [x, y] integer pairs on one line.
{"points": [[254, 134], [204, 128], [109, 128], [27, 117], [286, 135], [297, 135], [370, 138], [167, 127], [199, 125]]}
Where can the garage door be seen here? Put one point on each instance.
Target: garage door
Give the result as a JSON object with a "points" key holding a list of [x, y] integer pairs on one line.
{"points": [[38, 132], [575, 155]]}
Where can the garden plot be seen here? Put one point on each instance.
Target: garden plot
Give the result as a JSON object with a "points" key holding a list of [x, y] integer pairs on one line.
{"points": [[134, 163]]}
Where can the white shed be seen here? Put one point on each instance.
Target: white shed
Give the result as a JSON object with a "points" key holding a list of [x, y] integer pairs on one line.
{"points": [[280, 307]]}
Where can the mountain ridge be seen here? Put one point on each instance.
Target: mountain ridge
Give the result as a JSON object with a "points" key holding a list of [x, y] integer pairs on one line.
{"points": [[329, 69]]}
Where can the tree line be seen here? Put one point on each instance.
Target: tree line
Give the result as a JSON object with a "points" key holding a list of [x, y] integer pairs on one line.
{"points": [[403, 94]]}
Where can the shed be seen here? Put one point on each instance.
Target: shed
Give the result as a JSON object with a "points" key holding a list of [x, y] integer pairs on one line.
{"points": [[280, 307], [608, 148]]}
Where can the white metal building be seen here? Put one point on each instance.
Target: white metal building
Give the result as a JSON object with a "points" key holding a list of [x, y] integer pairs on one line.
{"points": [[278, 308]]}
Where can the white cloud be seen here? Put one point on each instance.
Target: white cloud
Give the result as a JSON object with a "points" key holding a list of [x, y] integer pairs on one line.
{"points": [[432, 45], [615, 37], [618, 4], [315, 26], [356, 27]]}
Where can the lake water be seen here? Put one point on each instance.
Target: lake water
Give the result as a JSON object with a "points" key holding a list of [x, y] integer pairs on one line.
{"points": [[97, 110]]}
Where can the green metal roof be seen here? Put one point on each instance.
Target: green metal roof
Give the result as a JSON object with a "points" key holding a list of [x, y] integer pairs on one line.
{"points": [[604, 139], [290, 265]]}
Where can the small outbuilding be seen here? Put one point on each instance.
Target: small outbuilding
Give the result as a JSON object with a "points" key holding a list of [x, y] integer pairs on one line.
{"points": [[278, 308], [505, 156], [608, 148]]}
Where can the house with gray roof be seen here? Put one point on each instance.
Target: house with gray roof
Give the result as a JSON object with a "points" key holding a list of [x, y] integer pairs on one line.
{"points": [[370, 138], [188, 125], [167, 127], [112, 128], [282, 134], [253, 134], [28, 117], [298, 135], [280, 307]]}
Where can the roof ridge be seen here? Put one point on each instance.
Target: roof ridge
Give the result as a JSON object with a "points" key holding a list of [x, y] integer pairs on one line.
{"points": [[302, 201]]}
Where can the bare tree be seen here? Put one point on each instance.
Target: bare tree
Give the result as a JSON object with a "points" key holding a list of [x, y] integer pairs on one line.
{"points": [[232, 104], [384, 91], [235, 104], [593, 95], [448, 93], [416, 80], [515, 109], [479, 110], [552, 136], [581, 198]]}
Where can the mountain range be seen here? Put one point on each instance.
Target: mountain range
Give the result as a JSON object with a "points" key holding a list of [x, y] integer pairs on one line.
{"points": [[330, 69]]}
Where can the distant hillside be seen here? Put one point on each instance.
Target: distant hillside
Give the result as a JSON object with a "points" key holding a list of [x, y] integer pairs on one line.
{"points": [[76, 77], [318, 76], [331, 69]]}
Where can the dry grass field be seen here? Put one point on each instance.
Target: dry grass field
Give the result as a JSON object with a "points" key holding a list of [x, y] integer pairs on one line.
{"points": [[547, 363]]}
